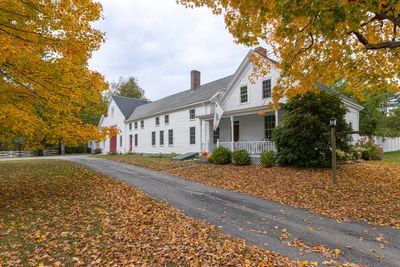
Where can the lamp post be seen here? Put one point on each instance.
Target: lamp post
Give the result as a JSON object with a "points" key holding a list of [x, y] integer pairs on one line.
{"points": [[332, 124]]}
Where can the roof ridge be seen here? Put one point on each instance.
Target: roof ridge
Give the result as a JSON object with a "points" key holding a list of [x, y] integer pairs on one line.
{"points": [[187, 90], [132, 98]]}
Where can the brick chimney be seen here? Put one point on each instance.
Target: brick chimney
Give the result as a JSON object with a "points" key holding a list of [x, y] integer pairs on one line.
{"points": [[194, 79], [261, 50]]}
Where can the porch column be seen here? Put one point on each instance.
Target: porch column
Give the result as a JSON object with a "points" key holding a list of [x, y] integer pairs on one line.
{"points": [[201, 135], [276, 117], [232, 133]]}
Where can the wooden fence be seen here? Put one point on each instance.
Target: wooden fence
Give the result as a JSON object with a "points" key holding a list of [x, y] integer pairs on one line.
{"points": [[15, 154]]}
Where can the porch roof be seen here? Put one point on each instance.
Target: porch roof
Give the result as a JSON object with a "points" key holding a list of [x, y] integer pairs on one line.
{"points": [[241, 112]]}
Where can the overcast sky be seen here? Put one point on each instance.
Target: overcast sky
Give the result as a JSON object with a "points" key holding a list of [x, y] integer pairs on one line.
{"points": [[159, 42]]}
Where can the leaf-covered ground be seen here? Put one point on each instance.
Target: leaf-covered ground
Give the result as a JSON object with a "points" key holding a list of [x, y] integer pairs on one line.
{"points": [[57, 213], [367, 191]]}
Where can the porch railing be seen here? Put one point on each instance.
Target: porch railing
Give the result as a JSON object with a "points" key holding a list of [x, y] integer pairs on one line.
{"points": [[253, 147]]}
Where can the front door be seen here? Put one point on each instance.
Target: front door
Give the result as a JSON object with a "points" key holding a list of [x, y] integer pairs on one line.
{"points": [[113, 144], [236, 131]]}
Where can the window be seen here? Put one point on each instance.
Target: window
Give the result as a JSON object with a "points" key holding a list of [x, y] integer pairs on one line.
{"points": [[157, 121], [266, 88], [130, 126], [216, 136], [192, 136], [243, 94], [130, 142], [136, 124], [170, 137], [161, 138], [153, 138], [120, 140], [136, 140], [142, 124], [269, 126], [166, 119], [192, 114]]}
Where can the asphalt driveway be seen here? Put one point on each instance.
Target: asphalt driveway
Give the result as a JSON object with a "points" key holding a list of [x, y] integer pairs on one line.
{"points": [[262, 223]]}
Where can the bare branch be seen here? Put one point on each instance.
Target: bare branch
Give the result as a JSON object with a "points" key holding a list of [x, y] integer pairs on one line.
{"points": [[375, 46]]}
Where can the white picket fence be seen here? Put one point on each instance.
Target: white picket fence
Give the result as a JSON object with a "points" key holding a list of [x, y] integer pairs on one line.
{"points": [[388, 144]]}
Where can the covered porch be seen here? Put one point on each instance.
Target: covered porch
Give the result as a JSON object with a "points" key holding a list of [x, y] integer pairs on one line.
{"points": [[250, 131]]}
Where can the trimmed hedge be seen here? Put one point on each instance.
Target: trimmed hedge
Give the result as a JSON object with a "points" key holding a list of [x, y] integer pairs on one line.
{"points": [[221, 155], [241, 157], [267, 159]]}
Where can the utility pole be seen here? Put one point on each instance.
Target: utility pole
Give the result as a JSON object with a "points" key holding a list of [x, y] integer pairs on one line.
{"points": [[332, 124]]}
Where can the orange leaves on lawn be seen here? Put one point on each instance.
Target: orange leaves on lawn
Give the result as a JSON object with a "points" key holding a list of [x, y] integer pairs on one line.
{"points": [[368, 192], [56, 213]]}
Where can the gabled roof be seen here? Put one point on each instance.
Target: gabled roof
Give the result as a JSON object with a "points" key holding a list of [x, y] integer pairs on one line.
{"points": [[127, 105], [202, 93], [329, 89]]}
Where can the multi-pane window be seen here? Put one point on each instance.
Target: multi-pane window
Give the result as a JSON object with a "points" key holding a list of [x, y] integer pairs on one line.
{"points": [[161, 138], [192, 114], [269, 126], [166, 119], [136, 125], [142, 124], [130, 126], [153, 138], [243, 94], [170, 137], [216, 136], [266, 88], [136, 140], [120, 140], [157, 121], [192, 135]]}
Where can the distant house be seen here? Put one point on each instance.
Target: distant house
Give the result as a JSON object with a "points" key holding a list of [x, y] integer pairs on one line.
{"points": [[186, 121], [119, 109]]}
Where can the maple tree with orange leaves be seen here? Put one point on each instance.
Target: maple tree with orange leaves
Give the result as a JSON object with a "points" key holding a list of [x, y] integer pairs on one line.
{"points": [[329, 41], [45, 81]]}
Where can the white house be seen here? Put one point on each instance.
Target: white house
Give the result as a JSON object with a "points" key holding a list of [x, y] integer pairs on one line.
{"points": [[183, 122], [119, 109]]}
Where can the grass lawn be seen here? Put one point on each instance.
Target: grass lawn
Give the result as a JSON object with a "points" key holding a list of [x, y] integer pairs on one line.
{"points": [[57, 213], [368, 192], [392, 156]]}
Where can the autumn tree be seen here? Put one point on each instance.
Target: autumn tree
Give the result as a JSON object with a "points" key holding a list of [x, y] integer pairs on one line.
{"points": [[45, 83], [319, 40], [127, 87]]}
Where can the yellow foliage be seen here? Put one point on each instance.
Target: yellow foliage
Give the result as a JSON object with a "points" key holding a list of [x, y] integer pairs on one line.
{"points": [[328, 41], [45, 81]]}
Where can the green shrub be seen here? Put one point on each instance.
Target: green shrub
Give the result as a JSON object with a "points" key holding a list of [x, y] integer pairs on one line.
{"points": [[302, 137], [221, 155], [241, 157], [369, 150], [97, 150], [82, 148], [267, 159]]}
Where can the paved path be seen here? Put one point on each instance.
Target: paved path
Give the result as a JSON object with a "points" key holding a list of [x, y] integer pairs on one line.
{"points": [[259, 221]]}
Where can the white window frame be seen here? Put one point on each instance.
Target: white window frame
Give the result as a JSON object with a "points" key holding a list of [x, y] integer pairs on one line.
{"points": [[194, 114], [262, 88], [242, 95]]}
